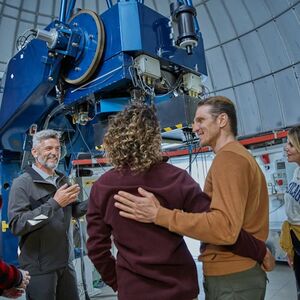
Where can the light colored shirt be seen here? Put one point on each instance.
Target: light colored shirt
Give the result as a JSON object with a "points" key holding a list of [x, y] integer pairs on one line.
{"points": [[292, 199], [49, 178]]}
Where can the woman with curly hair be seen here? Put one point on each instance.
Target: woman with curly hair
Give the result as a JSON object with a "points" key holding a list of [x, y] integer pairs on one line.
{"points": [[152, 263]]}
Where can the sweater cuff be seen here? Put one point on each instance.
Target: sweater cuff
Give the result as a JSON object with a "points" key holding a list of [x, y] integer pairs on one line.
{"points": [[18, 283], [262, 253], [163, 217], [54, 204]]}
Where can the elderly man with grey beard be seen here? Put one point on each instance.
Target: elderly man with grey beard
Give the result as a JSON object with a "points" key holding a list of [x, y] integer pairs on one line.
{"points": [[41, 205]]}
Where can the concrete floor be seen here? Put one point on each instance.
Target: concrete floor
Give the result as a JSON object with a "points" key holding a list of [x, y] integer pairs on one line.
{"points": [[281, 286]]}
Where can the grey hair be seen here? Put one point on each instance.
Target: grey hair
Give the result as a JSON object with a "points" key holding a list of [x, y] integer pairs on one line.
{"points": [[45, 135]]}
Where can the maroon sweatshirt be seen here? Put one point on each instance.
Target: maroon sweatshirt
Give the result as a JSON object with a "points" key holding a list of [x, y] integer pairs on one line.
{"points": [[10, 276], [152, 263]]}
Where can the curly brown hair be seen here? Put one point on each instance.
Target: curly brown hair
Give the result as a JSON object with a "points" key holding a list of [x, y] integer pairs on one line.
{"points": [[133, 138]]}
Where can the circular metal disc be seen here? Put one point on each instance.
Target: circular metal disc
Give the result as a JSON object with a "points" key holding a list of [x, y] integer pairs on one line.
{"points": [[93, 34]]}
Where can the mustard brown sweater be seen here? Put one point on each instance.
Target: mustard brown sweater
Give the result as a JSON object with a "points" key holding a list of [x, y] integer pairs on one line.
{"points": [[239, 195]]}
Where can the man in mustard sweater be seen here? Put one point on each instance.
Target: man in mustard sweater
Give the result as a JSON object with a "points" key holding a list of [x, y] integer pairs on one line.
{"points": [[239, 196]]}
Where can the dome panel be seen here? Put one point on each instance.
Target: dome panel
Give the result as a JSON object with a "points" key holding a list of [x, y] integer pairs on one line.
{"points": [[255, 56], [276, 7], [8, 28], [162, 6], [31, 5], [258, 11], [218, 69], [15, 3], [248, 108], [221, 20], [28, 16], [239, 16], [151, 4], [92, 5], [46, 7], [297, 75], [56, 5], [208, 81], [288, 91], [43, 21], [11, 12], [102, 6], [237, 62], [206, 27], [268, 103], [273, 43], [289, 27]]}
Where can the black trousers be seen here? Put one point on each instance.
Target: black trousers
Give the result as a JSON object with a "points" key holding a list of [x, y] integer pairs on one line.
{"points": [[60, 284]]}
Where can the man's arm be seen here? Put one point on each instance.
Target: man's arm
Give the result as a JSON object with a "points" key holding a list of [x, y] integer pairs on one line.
{"points": [[79, 209], [220, 226], [249, 246], [145, 209], [23, 219]]}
